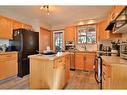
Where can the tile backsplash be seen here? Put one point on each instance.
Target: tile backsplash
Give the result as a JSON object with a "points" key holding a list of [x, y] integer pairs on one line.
{"points": [[89, 47], [108, 42], [3, 41]]}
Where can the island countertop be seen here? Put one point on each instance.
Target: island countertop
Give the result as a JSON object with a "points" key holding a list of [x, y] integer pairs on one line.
{"points": [[49, 72], [114, 60], [49, 57]]}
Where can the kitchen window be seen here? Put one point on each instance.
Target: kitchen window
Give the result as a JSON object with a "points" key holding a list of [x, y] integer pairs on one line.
{"points": [[86, 34]]}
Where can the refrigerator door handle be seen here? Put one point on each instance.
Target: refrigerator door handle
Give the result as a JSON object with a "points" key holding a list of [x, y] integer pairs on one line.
{"points": [[21, 49]]}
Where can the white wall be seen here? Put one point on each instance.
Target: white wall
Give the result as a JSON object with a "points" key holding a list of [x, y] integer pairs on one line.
{"points": [[59, 27]]}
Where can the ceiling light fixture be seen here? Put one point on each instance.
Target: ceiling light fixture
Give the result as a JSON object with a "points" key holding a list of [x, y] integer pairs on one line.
{"points": [[46, 8]]}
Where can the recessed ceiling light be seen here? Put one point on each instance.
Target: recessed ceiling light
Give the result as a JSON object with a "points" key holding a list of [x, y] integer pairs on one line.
{"points": [[91, 22], [81, 23]]}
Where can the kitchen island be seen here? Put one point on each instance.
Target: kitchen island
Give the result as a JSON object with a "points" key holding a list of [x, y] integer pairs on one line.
{"points": [[114, 72], [49, 71]]}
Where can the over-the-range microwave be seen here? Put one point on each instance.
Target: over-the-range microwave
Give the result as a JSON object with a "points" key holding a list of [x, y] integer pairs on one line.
{"points": [[120, 25]]}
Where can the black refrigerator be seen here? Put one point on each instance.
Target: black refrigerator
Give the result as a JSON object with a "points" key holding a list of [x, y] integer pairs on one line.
{"points": [[26, 43]]}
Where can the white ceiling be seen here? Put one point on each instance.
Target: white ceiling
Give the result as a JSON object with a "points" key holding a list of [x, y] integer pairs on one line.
{"points": [[60, 14]]}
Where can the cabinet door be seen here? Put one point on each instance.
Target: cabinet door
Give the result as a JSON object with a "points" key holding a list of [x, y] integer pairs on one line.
{"points": [[59, 76], [45, 39], [5, 28], [117, 9], [8, 65], [119, 76], [106, 75], [89, 61], [67, 67], [79, 61], [12, 67], [101, 34], [69, 33], [2, 69]]}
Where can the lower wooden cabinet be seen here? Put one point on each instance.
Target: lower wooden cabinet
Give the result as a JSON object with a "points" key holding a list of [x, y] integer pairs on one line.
{"points": [[67, 68], [84, 61], [106, 76], [80, 61], [114, 76], [8, 65], [49, 74]]}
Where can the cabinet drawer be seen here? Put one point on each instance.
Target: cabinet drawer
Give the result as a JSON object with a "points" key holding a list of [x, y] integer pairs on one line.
{"points": [[59, 62], [107, 70], [6, 57]]}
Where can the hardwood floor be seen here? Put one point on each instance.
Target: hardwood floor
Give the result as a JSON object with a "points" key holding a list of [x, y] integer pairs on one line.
{"points": [[82, 80], [79, 80]]}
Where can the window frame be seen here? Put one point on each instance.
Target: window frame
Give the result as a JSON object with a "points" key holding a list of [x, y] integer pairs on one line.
{"points": [[86, 34]]}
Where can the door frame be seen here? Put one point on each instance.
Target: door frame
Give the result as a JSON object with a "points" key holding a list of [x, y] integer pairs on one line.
{"points": [[57, 31]]}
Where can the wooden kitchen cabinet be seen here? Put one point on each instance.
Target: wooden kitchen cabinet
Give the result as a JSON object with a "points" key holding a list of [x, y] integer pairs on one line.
{"points": [[67, 67], [17, 24], [69, 33], [114, 73], [84, 61], [89, 61], [48, 73], [80, 61], [119, 76], [8, 65], [5, 28], [103, 34], [7, 25], [45, 39], [115, 10], [106, 75]]}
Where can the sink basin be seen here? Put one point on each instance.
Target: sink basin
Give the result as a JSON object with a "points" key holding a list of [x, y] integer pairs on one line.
{"points": [[49, 53]]}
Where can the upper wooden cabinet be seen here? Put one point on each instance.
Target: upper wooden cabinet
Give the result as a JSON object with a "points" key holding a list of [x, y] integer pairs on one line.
{"points": [[115, 12], [69, 33], [17, 24], [103, 34], [7, 25], [5, 28], [45, 39]]}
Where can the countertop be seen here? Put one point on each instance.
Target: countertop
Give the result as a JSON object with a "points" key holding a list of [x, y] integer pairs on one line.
{"points": [[86, 51], [49, 57], [8, 52], [114, 60], [78, 51]]}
